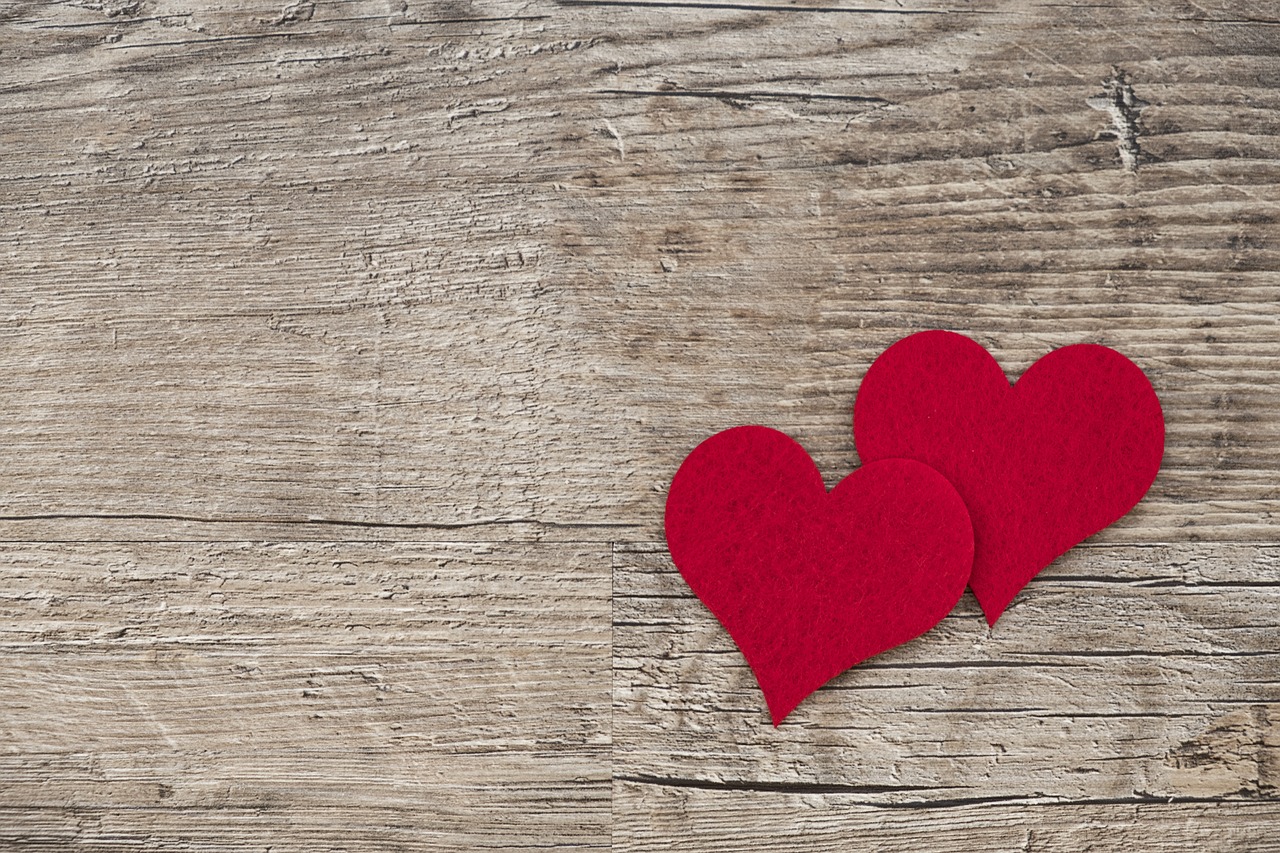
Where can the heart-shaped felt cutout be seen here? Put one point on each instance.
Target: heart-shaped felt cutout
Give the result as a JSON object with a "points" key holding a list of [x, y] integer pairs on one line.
{"points": [[1042, 464], [808, 583]]}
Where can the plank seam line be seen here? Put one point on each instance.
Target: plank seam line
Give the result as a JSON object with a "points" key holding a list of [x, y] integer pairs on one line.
{"points": [[316, 522]]}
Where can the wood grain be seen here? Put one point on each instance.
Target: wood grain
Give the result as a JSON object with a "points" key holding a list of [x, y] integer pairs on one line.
{"points": [[1128, 686], [1121, 672], [233, 693], [349, 345], [738, 821]]}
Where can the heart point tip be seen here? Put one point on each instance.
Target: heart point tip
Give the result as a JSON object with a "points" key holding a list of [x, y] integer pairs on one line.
{"points": [[778, 714], [992, 610]]}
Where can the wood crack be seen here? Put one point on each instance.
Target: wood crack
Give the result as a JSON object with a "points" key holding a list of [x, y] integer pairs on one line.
{"points": [[215, 40], [807, 788], [761, 7], [1120, 103], [314, 522], [781, 787], [489, 20], [751, 95]]}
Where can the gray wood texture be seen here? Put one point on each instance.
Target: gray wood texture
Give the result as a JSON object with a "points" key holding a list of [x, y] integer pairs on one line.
{"points": [[348, 347]]}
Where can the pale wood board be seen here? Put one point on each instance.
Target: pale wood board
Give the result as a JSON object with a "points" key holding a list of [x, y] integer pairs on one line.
{"points": [[1126, 676], [348, 348], [305, 695]]}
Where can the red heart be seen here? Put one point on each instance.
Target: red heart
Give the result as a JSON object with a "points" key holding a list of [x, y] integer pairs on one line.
{"points": [[808, 583], [1042, 465]]}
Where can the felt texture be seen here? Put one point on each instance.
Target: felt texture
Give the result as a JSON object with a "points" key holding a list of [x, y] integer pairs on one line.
{"points": [[809, 583], [1042, 464]]}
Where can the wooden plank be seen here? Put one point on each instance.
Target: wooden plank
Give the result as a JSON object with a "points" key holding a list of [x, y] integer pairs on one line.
{"points": [[362, 271], [1121, 673], [224, 692], [649, 816], [273, 270]]}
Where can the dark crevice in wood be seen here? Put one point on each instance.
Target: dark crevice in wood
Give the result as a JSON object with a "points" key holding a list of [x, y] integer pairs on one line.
{"points": [[1263, 22], [1188, 584], [1034, 711], [730, 95], [782, 787], [802, 788], [952, 664], [215, 40], [317, 522], [285, 540], [441, 21], [753, 7]]}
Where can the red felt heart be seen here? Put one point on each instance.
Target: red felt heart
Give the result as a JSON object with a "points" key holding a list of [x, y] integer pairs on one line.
{"points": [[1042, 465], [808, 583]]}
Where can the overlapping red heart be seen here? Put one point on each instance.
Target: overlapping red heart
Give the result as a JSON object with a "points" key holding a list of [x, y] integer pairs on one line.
{"points": [[966, 480]]}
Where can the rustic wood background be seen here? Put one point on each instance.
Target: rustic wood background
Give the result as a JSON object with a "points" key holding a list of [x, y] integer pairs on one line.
{"points": [[348, 346]]}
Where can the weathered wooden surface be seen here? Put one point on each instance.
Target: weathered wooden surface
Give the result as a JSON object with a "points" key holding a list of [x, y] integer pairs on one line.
{"points": [[1126, 677], [348, 348], [305, 695]]}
